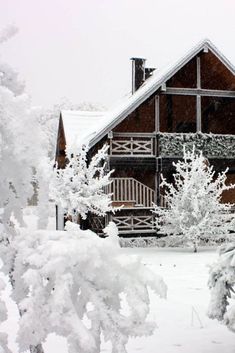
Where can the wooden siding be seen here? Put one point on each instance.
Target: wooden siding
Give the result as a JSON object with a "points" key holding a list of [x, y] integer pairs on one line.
{"points": [[60, 146], [141, 120], [185, 77]]}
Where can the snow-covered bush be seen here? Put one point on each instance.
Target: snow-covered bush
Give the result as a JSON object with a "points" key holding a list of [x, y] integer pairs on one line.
{"points": [[222, 285], [194, 212], [81, 286], [81, 186]]}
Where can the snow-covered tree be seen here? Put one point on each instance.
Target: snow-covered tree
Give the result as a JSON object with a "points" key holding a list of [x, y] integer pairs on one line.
{"points": [[81, 186], [222, 285], [81, 286], [194, 209], [21, 151]]}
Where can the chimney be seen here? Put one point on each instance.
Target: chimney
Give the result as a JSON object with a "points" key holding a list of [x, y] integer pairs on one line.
{"points": [[139, 73], [149, 72]]}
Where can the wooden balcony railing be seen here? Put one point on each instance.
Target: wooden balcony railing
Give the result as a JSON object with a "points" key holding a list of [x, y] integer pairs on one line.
{"points": [[134, 223], [125, 144], [131, 193]]}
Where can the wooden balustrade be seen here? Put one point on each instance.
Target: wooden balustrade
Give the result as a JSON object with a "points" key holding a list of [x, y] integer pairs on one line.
{"points": [[131, 193], [132, 145], [134, 223]]}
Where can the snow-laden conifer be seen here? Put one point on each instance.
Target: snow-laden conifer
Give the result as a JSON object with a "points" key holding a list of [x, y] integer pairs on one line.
{"points": [[222, 285], [81, 187], [194, 211], [81, 286]]}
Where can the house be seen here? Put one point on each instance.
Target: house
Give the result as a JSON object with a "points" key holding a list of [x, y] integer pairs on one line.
{"points": [[191, 102]]}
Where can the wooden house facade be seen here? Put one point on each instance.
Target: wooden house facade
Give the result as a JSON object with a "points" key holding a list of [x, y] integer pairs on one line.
{"points": [[191, 102]]}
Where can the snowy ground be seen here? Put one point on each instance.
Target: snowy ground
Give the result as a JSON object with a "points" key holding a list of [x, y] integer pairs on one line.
{"points": [[182, 322], [183, 326]]}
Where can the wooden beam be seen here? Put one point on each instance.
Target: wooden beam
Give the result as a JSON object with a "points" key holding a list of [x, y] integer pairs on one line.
{"points": [[198, 104], [199, 92], [133, 134], [157, 117], [199, 117], [163, 87], [198, 72]]}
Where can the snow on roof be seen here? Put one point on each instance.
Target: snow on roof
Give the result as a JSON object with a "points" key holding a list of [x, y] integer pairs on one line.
{"points": [[90, 127], [81, 126]]}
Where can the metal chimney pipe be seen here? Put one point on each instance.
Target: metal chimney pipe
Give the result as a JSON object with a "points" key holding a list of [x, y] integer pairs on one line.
{"points": [[138, 73]]}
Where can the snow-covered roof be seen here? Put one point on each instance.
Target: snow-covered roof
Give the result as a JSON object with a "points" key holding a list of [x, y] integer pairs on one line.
{"points": [[95, 125], [129, 104], [81, 126]]}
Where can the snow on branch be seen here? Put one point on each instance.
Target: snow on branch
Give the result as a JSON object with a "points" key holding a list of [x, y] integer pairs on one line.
{"points": [[81, 286]]}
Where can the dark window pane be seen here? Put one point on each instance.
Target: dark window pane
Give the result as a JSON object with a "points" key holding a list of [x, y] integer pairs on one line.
{"points": [[218, 115], [177, 113]]}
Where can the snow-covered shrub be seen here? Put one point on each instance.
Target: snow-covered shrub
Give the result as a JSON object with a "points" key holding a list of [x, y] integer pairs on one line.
{"points": [[81, 186], [81, 286], [222, 285], [194, 212]]}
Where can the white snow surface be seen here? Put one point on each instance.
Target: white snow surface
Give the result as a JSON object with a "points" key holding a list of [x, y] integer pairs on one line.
{"points": [[183, 326], [81, 126]]}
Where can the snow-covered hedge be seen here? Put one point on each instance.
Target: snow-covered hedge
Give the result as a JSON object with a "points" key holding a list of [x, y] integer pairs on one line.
{"points": [[171, 144]]}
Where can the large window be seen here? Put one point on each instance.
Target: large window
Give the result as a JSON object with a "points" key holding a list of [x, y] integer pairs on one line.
{"points": [[218, 115]]}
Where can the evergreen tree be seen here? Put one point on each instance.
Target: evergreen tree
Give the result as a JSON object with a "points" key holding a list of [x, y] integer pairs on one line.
{"points": [[194, 209]]}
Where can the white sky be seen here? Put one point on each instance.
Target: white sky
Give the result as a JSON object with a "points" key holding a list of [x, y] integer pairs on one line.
{"points": [[80, 49]]}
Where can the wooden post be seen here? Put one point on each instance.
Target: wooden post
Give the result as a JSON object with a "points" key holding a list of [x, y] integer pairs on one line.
{"points": [[198, 104]]}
